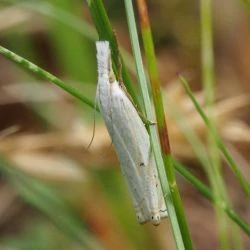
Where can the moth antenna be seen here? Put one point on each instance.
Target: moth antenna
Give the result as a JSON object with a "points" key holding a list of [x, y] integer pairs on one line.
{"points": [[93, 133], [103, 61]]}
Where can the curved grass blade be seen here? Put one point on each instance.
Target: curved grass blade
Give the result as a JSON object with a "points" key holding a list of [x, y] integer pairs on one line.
{"points": [[219, 142], [206, 191], [43, 74], [49, 10]]}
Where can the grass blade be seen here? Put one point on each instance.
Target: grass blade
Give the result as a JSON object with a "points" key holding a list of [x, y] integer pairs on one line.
{"points": [[71, 58], [208, 81], [43, 74], [154, 137], [160, 118], [219, 142], [105, 32], [206, 191]]}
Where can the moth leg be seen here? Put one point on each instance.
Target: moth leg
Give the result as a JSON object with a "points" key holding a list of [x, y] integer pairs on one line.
{"points": [[145, 120]]}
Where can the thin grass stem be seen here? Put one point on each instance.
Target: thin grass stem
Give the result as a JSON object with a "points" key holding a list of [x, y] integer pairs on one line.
{"points": [[214, 173], [160, 118], [43, 74], [166, 186], [105, 32], [219, 142], [207, 192]]}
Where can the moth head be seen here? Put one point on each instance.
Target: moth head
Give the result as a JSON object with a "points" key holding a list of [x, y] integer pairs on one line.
{"points": [[141, 218], [156, 219]]}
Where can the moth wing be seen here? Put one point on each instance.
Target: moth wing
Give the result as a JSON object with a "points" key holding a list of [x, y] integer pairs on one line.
{"points": [[161, 202], [126, 144], [143, 157], [145, 161]]}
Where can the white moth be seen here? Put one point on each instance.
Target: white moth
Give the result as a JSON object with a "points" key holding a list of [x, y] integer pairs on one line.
{"points": [[131, 141]]}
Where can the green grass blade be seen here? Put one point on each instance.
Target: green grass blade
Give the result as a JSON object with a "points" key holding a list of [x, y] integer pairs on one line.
{"points": [[219, 142], [154, 137], [43, 74], [200, 151], [160, 118], [206, 191], [214, 174], [75, 23], [105, 32], [73, 53]]}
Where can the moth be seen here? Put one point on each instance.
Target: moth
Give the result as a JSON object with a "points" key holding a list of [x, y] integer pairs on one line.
{"points": [[131, 141]]}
